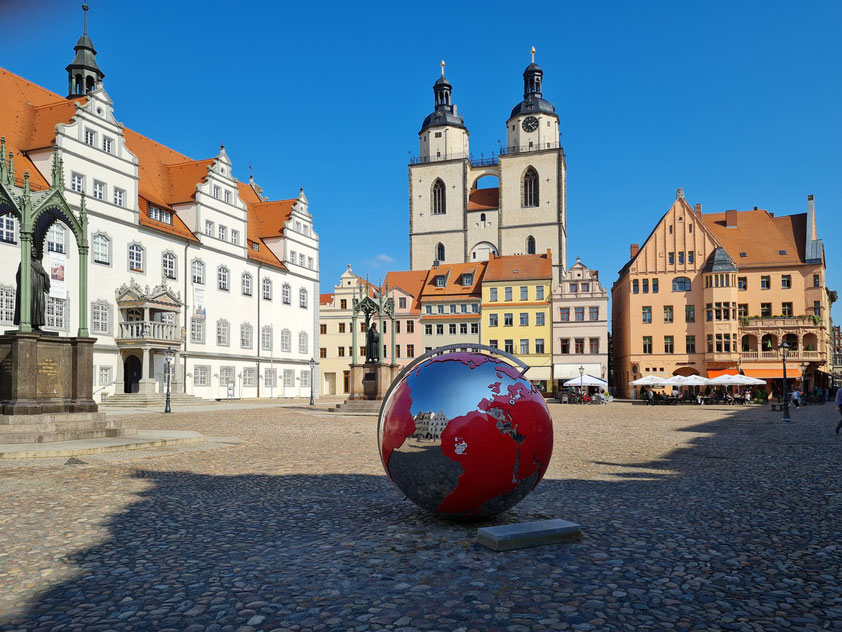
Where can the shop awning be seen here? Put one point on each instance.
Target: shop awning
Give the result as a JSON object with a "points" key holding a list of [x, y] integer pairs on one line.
{"points": [[712, 373], [539, 373], [771, 374], [568, 371]]}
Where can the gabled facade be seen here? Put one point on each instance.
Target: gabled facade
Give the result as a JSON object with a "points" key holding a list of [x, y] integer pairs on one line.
{"points": [[454, 217], [246, 312], [450, 304], [719, 292]]}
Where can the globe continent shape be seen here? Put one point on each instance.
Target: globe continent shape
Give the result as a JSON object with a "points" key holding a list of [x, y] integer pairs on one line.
{"points": [[465, 436]]}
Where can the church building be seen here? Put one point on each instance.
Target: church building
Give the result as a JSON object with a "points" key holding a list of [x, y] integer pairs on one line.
{"points": [[455, 218], [184, 259]]}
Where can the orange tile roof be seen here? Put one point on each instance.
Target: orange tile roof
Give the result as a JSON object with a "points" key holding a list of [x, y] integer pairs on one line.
{"points": [[453, 287], [484, 199], [761, 236], [409, 281], [519, 267], [325, 299], [177, 228], [28, 118]]}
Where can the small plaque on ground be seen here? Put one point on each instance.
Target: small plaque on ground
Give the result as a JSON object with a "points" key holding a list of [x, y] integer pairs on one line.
{"points": [[525, 534]]}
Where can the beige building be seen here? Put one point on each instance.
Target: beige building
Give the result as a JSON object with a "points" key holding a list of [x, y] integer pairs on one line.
{"points": [[455, 217], [720, 292], [580, 325], [450, 305]]}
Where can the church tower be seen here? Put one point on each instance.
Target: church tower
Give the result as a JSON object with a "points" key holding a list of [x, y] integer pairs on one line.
{"points": [[437, 184], [453, 218], [83, 73]]}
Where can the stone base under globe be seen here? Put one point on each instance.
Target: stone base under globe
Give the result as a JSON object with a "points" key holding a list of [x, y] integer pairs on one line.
{"points": [[465, 435]]}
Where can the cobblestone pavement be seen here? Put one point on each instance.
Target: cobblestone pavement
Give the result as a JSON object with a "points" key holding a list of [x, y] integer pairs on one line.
{"points": [[693, 518]]}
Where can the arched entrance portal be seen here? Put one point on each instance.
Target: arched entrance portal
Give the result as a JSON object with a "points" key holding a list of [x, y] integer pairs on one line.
{"points": [[131, 374]]}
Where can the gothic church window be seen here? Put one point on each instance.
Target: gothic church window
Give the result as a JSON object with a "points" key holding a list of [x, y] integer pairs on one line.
{"points": [[530, 245], [439, 198], [530, 188], [440, 252]]}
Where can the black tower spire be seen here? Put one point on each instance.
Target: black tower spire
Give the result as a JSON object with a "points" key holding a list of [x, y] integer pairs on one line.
{"points": [[83, 73], [444, 112]]}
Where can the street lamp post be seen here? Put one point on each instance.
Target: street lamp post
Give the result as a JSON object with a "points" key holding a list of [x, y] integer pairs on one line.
{"points": [[581, 381], [168, 354], [312, 366], [784, 347]]}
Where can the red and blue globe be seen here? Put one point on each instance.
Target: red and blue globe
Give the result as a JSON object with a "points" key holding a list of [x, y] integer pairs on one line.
{"points": [[465, 435]]}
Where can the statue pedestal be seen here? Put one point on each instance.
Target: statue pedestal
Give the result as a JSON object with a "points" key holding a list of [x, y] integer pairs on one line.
{"points": [[372, 380], [42, 373]]}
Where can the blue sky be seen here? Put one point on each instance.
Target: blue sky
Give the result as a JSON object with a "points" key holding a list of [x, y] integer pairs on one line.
{"points": [[736, 102]]}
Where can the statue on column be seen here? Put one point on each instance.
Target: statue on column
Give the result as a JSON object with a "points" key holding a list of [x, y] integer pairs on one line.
{"points": [[39, 281], [372, 344]]}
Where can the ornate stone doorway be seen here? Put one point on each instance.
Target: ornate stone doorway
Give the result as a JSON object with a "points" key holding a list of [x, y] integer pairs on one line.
{"points": [[131, 374]]}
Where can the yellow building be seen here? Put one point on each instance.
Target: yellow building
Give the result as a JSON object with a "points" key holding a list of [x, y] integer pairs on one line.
{"points": [[516, 314]]}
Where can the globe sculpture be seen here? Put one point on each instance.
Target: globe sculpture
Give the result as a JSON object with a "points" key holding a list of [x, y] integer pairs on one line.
{"points": [[464, 435]]}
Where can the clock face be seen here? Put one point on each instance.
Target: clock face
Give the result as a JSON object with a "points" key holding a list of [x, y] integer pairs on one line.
{"points": [[530, 124]]}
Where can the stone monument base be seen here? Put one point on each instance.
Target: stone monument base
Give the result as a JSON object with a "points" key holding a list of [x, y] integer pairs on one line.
{"points": [[43, 373], [51, 427], [372, 380]]}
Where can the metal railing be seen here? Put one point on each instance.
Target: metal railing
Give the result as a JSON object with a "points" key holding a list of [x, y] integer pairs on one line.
{"points": [[482, 161], [149, 330]]}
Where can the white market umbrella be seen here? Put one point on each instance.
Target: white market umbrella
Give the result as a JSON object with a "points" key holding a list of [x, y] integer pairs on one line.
{"points": [[732, 380], [675, 380], [648, 380], [586, 380], [696, 380]]}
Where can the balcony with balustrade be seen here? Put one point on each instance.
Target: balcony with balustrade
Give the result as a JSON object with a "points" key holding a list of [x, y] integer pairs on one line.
{"points": [[760, 339], [149, 331]]}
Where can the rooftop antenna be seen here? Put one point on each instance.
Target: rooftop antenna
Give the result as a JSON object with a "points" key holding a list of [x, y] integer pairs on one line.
{"points": [[85, 17], [533, 54]]}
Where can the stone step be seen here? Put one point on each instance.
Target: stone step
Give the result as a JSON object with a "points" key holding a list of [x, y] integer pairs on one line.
{"points": [[63, 426], [151, 400], [71, 435], [6, 420]]}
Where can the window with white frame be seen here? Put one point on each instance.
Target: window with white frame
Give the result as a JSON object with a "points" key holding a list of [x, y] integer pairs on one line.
{"points": [[267, 289], [105, 376], [135, 258], [226, 375], [302, 298], [310, 262], [289, 378], [286, 340], [228, 196], [77, 182], [99, 190], [197, 330], [7, 229], [7, 304], [245, 285], [270, 378], [209, 228], [100, 318], [56, 317], [216, 191], [223, 233], [168, 264], [245, 336], [305, 378], [197, 271], [160, 215], [107, 144], [301, 259], [302, 342], [250, 377], [119, 197], [222, 278], [201, 375], [235, 237], [223, 333], [90, 137], [266, 338], [286, 294], [101, 249], [57, 238], [293, 257]]}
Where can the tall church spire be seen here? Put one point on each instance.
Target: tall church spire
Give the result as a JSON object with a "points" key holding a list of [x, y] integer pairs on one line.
{"points": [[83, 73], [444, 112]]}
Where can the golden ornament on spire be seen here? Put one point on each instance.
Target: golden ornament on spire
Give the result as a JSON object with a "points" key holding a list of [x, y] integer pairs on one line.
{"points": [[442, 68], [533, 54]]}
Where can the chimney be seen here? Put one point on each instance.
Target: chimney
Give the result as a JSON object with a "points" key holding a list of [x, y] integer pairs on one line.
{"points": [[731, 218], [633, 250], [435, 263], [698, 210]]}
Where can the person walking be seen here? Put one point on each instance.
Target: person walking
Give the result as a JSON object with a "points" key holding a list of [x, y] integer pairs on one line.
{"points": [[839, 408], [796, 397]]}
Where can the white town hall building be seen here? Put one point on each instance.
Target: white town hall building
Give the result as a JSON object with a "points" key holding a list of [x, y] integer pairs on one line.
{"points": [[182, 255]]}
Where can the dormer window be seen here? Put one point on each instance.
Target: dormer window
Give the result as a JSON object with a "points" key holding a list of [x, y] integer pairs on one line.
{"points": [[160, 215], [467, 279], [782, 252], [255, 246], [439, 281]]}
